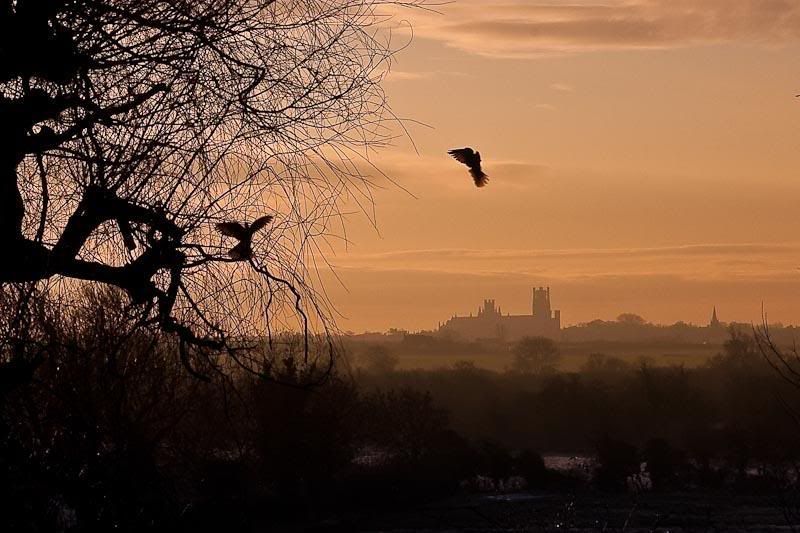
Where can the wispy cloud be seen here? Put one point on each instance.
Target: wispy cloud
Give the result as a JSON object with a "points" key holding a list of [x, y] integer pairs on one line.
{"points": [[747, 249], [702, 261], [562, 87], [400, 75], [403, 75], [526, 28]]}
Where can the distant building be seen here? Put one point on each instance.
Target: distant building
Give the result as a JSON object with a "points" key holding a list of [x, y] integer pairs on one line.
{"points": [[715, 323], [490, 323]]}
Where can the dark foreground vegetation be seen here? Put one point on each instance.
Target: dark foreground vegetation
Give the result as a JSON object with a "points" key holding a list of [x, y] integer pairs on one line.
{"points": [[734, 410], [110, 432]]}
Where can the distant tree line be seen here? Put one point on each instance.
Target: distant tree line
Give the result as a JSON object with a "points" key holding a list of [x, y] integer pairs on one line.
{"points": [[716, 424]]}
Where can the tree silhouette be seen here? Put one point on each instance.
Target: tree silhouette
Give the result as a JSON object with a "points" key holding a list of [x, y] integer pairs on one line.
{"points": [[535, 355], [631, 319], [131, 127]]}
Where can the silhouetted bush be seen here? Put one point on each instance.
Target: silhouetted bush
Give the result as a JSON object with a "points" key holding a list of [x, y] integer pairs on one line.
{"points": [[667, 466], [97, 434], [495, 461], [530, 465], [302, 439], [617, 461]]}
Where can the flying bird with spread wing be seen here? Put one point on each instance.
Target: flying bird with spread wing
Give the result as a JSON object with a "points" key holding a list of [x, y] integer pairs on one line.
{"points": [[472, 159], [244, 234]]}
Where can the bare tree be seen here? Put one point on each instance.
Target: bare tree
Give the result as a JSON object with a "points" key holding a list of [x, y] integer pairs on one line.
{"points": [[131, 127], [785, 361]]}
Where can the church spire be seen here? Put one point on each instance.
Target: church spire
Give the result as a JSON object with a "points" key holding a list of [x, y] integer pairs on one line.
{"points": [[714, 320]]}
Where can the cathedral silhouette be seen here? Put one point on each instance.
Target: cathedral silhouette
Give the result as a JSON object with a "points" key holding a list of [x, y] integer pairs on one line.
{"points": [[490, 323]]}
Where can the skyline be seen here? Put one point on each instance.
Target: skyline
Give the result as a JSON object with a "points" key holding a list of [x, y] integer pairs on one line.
{"points": [[517, 311], [629, 169]]}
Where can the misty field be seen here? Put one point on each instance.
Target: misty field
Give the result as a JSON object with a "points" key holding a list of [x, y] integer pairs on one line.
{"points": [[573, 356]]}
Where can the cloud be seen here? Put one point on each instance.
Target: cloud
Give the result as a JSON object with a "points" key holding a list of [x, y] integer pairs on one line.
{"points": [[747, 249], [403, 75], [754, 262], [525, 28], [400, 75], [562, 87]]}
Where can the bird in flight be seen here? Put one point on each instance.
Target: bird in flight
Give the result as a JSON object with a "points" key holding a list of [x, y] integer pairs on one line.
{"points": [[244, 234], [472, 159]]}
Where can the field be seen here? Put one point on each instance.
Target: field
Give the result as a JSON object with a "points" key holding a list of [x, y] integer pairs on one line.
{"points": [[573, 356]]}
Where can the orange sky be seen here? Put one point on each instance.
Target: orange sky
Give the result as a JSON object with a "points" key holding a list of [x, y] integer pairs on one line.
{"points": [[643, 157]]}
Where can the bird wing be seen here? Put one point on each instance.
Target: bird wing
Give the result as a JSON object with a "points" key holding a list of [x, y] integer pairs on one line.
{"points": [[463, 155], [480, 178], [260, 223], [232, 229], [241, 252]]}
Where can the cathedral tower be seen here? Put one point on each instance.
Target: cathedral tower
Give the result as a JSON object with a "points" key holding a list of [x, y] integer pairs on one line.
{"points": [[541, 303]]}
